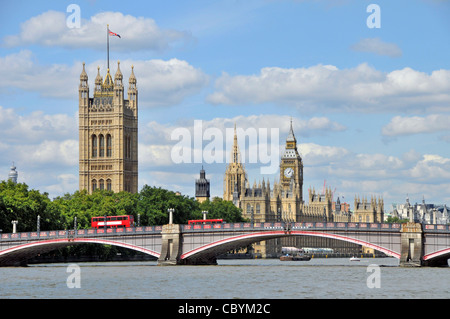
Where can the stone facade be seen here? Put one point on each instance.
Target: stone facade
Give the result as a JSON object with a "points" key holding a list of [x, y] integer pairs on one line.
{"points": [[422, 213], [108, 133], [283, 202]]}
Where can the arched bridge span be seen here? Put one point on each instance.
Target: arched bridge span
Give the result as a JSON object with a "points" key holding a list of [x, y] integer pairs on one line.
{"points": [[414, 244], [19, 247], [204, 250]]}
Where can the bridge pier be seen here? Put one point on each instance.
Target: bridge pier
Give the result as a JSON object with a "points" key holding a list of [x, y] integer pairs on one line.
{"points": [[170, 245], [411, 245]]}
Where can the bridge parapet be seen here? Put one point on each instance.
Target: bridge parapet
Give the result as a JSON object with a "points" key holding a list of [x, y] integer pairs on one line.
{"points": [[49, 234], [293, 226], [436, 228]]}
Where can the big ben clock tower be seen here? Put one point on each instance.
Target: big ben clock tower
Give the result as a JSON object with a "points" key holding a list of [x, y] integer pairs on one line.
{"points": [[291, 166]]}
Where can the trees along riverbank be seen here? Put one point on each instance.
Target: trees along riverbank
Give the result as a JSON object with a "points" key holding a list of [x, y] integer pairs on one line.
{"points": [[18, 202]]}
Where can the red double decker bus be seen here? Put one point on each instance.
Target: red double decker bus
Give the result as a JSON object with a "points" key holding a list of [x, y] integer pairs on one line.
{"points": [[205, 221], [113, 221]]}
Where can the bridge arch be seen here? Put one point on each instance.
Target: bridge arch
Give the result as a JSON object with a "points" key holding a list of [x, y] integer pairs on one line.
{"points": [[437, 258], [16, 254], [213, 249]]}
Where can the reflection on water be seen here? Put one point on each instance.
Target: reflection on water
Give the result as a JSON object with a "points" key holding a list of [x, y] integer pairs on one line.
{"points": [[256, 278]]}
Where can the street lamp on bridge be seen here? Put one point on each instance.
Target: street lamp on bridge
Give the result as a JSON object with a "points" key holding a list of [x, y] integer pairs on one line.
{"points": [[171, 211]]}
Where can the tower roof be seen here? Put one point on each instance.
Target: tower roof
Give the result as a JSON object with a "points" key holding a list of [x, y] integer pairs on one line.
{"points": [[108, 79], [235, 152], [98, 78], [83, 75], [118, 75], [132, 76], [291, 136]]}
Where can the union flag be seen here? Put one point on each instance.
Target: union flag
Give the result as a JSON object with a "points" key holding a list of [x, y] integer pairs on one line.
{"points": [[114, 34]]}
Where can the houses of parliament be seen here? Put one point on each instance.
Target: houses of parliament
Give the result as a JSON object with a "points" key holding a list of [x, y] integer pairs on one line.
{"points": [[108, 139], [284, 200], [108, 159]]}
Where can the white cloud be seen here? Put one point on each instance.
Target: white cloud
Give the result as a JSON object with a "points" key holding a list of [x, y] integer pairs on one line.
{"points": [[432, 168], [35, 126], [400, 125], [377, 46], [49, 152], [318, 155], [160, 82], [57, 80], [325, 87], [137, 33]]}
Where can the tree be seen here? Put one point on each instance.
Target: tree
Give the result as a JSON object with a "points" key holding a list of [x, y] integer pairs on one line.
{"points": [[219, 208], [393, 220], [84, 206], [19, 203], [153, 205]]}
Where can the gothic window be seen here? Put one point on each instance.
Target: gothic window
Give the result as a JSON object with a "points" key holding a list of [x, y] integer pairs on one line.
{"points": [[102, 145], [129, 147], [248, 209], [94, 146], [101, 184], [108, 145], [94, 185], [258, 209], [108, 184]]}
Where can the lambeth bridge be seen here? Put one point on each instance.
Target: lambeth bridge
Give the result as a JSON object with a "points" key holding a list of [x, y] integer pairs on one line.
{"points": [[172, 244]]}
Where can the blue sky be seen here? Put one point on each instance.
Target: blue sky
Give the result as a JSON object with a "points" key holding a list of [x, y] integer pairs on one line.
{"points": [[370, 106]]}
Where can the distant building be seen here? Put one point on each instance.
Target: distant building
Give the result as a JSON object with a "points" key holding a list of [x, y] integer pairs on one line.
{"points": [[283, 201], [202, 187], [108, 133], [422, 213], [12, 176]]}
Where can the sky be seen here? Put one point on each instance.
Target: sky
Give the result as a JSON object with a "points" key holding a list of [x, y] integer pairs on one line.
{"points": [[365, 83]]}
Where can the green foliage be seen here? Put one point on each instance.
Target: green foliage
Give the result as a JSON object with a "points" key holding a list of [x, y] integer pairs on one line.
{"points": [[100, 203], [393, 220], [154, 203], [219, 208], [17, 202]]}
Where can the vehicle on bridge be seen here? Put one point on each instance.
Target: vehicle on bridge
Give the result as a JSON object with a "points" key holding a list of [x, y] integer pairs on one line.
{"points": [[123, 221], [205, 221]]}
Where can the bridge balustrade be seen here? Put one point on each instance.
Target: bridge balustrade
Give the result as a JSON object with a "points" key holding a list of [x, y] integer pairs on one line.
{"points": [[294, 226], [80, 232], [436, 228], [216, 227]]}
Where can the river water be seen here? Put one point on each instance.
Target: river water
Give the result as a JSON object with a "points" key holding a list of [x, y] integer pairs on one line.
{"points": [[231, 279]]}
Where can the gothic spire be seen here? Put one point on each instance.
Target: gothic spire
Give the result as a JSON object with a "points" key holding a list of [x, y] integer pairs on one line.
{"points": [[291, 136], [235, 153]]}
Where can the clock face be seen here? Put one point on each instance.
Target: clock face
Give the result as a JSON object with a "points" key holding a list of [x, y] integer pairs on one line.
{"points": [[288, 172]]}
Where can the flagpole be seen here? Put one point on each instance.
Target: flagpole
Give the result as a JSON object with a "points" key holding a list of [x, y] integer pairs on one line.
{"points": [[107, 42]]}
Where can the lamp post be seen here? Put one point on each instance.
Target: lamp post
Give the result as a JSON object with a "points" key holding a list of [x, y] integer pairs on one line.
{"points": [[38, 226], [204, 214], [171, 210], [14, 223]]}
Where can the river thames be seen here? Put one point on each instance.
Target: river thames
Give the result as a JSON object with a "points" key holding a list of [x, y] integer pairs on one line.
{"points": [[231, 279]]}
